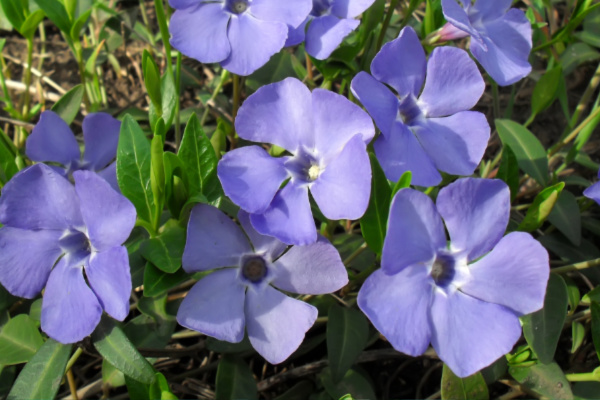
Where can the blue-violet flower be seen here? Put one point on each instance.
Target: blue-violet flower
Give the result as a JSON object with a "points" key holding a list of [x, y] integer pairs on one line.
{"points": [[500, 36], [244, 293], [241, 35], [431, 131], [54, 233], [465, 298], [326, 135], [593, 192]]}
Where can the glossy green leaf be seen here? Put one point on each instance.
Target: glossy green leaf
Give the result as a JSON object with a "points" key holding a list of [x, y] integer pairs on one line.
{"points": [[157, 282], [41, 376], [356, 383], [530, 153], [79, 24], [234, 380], [509, 170], [577, 334], [115, 347], [347, 335], [16, 11], [169, 101], [545, 90], [69, 104], [545, 379], [8, 167], [566, 217], [402, 183], [56, 11], [31, 23], [111, 376], [595, 308], [576, 54], [133, 168], [137, 390], [542, 328], [165, 251], [7, 378], [160, 389], [157, 168], [470, 388], [374, 223], [20, 339], [152, 81], [541, 208]]}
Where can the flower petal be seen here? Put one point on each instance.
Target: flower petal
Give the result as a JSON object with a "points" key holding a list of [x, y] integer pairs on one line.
{"points": [[292, 12], [379, 101], [215, 306], [349, 8], [101, 137], [277, 323], [414, 234], [337, 121], [70, 310], [39, 198], [457, 16], [343, 189], [251, 177], [469, 334], [456, 144], [289, 217], [508, 43], [279, 113], [453, 83], [201, 32], [476, 214], [398, 307], [109, 216], [108, 275], [491, 10], [26, 259], [253, 42], [593, 192], [326, 33], [313, 269], [213, 240], [514, 274], [52, 140], [401, 63], [109, 174], [296, 35], [180, 4], [400, 151], [262, 244]]}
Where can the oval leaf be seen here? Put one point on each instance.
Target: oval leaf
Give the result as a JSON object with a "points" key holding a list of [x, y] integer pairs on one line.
{"points": [[545, 379], [234, 380], [470, 388], [374, 223], [541, 208], [20, 339], [347, 335], [69, 104], [566, 217]]}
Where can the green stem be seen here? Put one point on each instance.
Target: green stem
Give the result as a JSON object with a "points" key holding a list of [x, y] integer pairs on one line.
{"points": [[575, 132], [178, 106], [576, 266], [237, 94], [224, 77], [386, 23], [161, 17], [585, 377], [79, 56], [27, 95], [74, 358], [355, 254], [496, 97], [586, 97]]}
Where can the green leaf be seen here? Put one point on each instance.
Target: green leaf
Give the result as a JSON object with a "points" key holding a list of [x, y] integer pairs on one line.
{"points": [[115, 347], [7, 378], [56, 11], [16, 11], [402, 183], [137, 390], [160, 389], [540, 209], [509, 170], [545, 379], [112, 376], [69, 104], [152, 81], [200, 161], [41, 376], [8, 167], [169, 101], [578, 334], [157, 177], [566, 217], [470, 388], [542, 329], [31, 23], [79, 24], [595, 308], [234, 380], [374, 223], [576, 54], [157, 282], [133, 168], [165, 251], [545, 90], [347, 335], [356, 383], [300, 391], [20, 339], [530, 153]]}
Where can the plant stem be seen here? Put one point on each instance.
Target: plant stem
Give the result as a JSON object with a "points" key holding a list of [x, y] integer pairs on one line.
{"points": [[576, 266], [574, 134], [72, 385], [26, 94], [161, 17], [585, 377], [309, 68], [74, 358], [224, 76], [585, 98], [178, 105], [386, 23], [355, 254], [496, 97]]}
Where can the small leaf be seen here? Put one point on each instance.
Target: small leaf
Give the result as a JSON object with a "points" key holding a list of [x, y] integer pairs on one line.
{"points": [[165, 251], [347, 335], [20, 339], [160, 389], [470, 388], [402, 183], [356, 383], [545, 90], [157, 282], [578, 334], [56, 11], [234, 380], [152, 81], [374, 223], [509, 170], [112, 376], [566, 217], [16, 11], [115, 347], [31, 23], [545, 379], [69, 104], [79, 24], [41, 376], [540, 209], [542, 328]]}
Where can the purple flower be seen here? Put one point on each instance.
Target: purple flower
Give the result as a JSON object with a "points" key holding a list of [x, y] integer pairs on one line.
{"points": [[465, 298], [593, 192], [53, 141], [331, 22], [53, 234], [500, 37], [431, 131], [326, 135], [244, 294], [240, 34]]}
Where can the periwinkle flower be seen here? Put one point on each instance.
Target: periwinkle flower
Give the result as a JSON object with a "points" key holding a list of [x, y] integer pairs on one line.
{"points": [[330, 22], [500, 36], [241, 35], [430, 131], [593, 192], [53, 141], [466, 297], [243, 289], [326, 135], [66, 238]]}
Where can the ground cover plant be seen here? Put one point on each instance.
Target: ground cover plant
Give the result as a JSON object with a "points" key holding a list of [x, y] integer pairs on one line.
{"points": [[300, 199]]}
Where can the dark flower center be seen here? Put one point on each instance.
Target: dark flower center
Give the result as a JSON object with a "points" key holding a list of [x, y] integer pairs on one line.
{"points": [[409, 110], [238, 6], [254, 268], [320, 7], [442, 270], [75, 243]]}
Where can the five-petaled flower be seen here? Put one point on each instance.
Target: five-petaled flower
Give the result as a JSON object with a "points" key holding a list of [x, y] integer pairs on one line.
{"points": [[431, 131], [465, 298], [326, 135], [241, 35], [244, 294], [54, 233], [593, 192], [330, 22], [500, 37], [53, 141]]}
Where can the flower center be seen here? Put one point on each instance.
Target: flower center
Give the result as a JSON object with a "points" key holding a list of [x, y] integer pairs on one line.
{"points": [[409, 110], [238, 6], [443, 269], [254, 268], [313, 172], [304, 166], [75, 243], [320, 7]]}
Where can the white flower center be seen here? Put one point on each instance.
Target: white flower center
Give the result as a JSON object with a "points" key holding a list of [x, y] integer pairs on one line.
{"points": [[313, 172]]}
